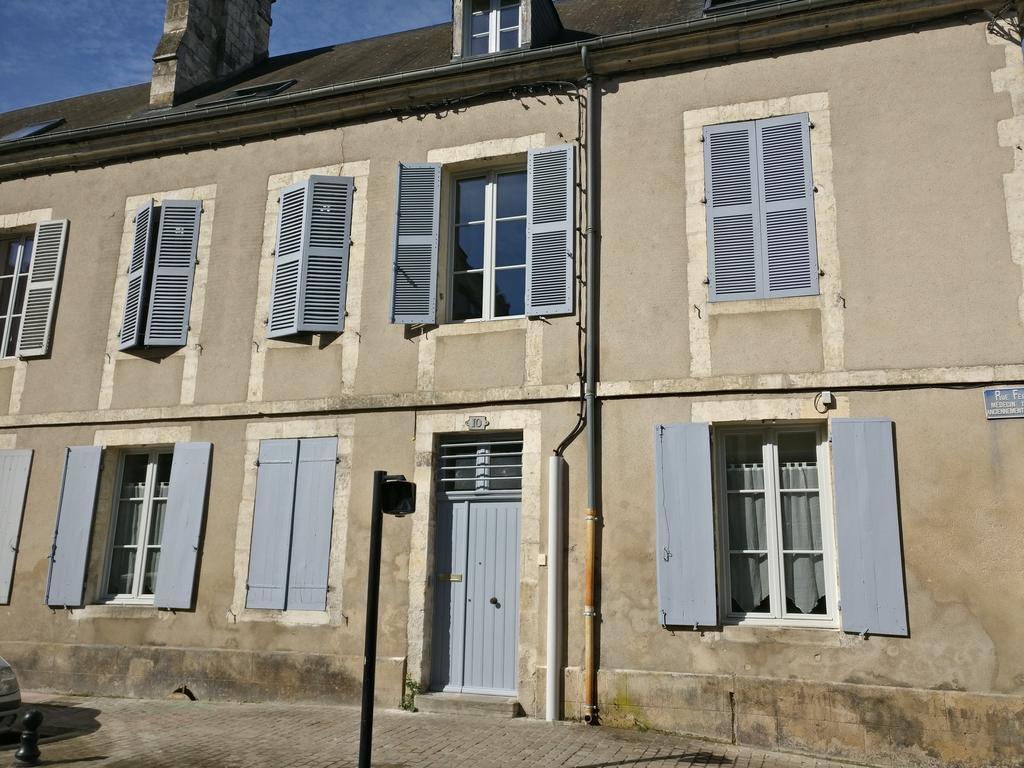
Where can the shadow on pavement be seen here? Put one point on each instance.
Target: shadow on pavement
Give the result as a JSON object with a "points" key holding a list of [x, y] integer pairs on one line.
{"points": [[62, 720], [695, 758]]}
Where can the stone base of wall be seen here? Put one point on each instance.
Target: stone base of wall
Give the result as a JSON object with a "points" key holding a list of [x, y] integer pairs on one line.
{"points": [[864, 723], [233, 675]]}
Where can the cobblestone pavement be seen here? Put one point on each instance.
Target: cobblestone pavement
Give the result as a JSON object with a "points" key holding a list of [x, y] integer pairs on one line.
{"points": [[120, 732]]}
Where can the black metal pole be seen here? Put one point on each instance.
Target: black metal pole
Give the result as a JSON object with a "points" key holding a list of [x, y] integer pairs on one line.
{"points": [[372, 598]]}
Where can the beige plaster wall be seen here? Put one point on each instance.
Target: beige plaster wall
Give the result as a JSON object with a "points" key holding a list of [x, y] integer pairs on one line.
{"points": [[906, 269], [958, 499], [912, 231], [922, 288]]}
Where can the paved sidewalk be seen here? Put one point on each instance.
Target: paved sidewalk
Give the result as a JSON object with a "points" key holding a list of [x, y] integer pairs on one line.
{"points": [[120, 732]]}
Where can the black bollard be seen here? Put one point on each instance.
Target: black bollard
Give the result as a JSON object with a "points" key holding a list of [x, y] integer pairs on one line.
{"points": [[28, 753]]}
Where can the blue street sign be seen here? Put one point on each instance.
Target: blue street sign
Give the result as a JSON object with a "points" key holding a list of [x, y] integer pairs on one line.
{"points": [[1004, 403]]}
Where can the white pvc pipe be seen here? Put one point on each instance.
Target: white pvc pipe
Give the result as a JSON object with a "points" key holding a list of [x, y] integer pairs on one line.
{"points": [[556, 470]]}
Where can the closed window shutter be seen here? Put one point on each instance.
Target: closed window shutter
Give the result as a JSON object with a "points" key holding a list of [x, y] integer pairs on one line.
{"points": [[325, 263], [292, 234], [14, 469], [734, 242], [272, 524], [685, 556], [414, 279], [138, 278], [173, 270], [65, 584], [787, 207], [183, 523], [550, 231], [870, 554], [311, 524], [43, 280]]}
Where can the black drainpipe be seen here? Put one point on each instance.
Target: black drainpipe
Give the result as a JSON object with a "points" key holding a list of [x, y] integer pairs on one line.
{"points": [[593, 517]]}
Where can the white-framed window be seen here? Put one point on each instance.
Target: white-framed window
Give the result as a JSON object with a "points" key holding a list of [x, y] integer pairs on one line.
{"points": [[143, 482], [493, 26], [17, 256], [487, 279], [778, 561]]}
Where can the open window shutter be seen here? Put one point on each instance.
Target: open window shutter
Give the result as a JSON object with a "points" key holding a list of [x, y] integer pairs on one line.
{"points": [[414, 281], [685, 525], [734, 245], [173, 269], [138, 273], [787, 206], [14, 468], [272, 524], [43, 279], [65, 585], [326, 255], [868, 528], [311, 524], [183, 523], [292, 234], [550, 231]]}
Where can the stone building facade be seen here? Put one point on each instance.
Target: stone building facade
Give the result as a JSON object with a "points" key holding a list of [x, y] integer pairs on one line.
{"points": [[810, 218]]}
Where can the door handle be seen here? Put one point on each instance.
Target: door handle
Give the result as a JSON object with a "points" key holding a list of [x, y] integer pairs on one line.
{"points": [[494, 601]]}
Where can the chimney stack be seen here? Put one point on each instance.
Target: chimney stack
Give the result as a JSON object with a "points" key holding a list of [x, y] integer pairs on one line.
{"points": [[206, 41]]}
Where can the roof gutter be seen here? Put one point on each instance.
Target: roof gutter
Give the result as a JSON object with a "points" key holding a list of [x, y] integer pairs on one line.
{"points": [[913, 10]]}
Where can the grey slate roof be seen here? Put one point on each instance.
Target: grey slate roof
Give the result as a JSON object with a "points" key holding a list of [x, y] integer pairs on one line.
{"points": [[351, 62]]}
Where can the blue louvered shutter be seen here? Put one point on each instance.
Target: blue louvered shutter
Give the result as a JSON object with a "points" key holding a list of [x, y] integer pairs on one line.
{"points": [[414, 269], [183, 524], [174, 267], [325, 263], [14, 469], [731, 184], [550, 231], [685, 555], [311, 524], [138, 278], [48, 249], [870, 553], [788, 241], [272, 524], [292, 233], [65, 583]]}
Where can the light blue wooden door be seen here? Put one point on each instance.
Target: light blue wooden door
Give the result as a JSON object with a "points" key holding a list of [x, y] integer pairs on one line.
{"points": [[476, 609], [449, 596]]}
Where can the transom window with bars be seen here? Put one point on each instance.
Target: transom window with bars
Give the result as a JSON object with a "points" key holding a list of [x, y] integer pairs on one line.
{"points": [[476, 468], [777, 541]]}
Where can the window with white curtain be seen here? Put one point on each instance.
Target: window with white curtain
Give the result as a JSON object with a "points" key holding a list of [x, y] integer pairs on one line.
{"points": [[778, 551], [136, 535]]}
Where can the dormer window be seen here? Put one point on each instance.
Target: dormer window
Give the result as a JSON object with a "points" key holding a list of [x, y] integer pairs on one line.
{"points": [[493, 26]]}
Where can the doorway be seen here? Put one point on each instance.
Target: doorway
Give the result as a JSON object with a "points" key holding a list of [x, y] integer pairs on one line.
{"points": [[476, 580]]}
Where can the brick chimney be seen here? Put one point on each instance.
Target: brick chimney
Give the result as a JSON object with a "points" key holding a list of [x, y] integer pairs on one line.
{"points": [[205, 41]]}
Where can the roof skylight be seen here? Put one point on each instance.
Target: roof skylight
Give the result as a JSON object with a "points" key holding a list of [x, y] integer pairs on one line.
{"points": [[32, 129], [714, 6], [264, 90]]}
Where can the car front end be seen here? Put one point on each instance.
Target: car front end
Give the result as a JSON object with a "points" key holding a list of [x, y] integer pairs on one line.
{"points": [[10, 697]]}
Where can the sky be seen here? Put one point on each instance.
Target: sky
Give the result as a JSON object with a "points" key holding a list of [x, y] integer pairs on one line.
{"points": [[54, 49]]}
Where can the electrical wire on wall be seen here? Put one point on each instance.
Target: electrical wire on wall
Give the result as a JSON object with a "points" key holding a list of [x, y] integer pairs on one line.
{"points": [[582, 279]]}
